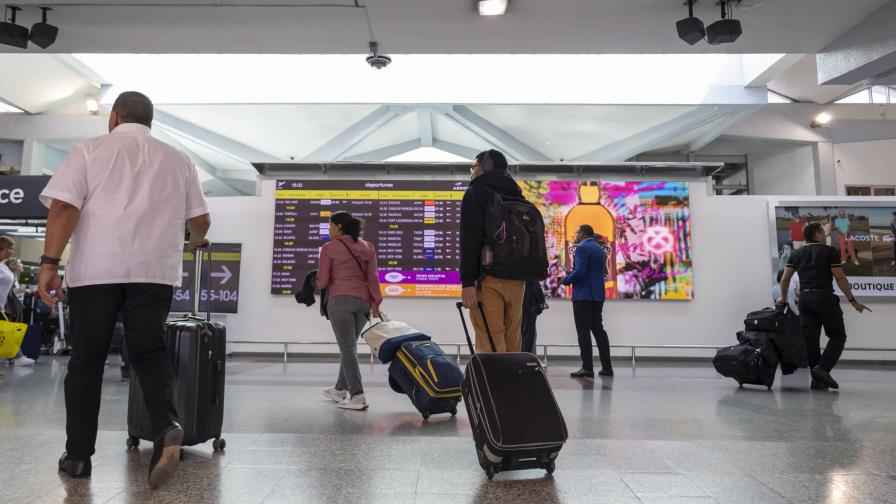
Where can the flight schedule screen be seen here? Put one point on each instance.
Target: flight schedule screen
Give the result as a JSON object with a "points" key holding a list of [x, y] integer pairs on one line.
{"points": [[413, 224]]}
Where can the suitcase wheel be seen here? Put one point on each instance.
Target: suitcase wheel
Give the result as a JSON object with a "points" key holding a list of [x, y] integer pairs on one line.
{"points": [[740, 384], [132, 442], [219, 444], [425, 414], [490, 471], [453, 412], [550, 467]]}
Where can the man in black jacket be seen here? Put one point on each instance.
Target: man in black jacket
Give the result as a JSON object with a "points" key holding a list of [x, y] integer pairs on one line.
{"points": [[533, 304], [501, 298]]}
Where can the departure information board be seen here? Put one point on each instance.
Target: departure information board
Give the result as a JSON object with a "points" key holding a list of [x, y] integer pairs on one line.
{"points": [[413, 224]]}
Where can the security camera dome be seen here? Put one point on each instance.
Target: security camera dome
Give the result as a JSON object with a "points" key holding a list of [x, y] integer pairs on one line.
{"points": [[377, 60]]}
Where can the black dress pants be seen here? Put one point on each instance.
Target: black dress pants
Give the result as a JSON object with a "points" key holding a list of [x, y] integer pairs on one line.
{"points": [[589, 320], [819, 310], [529, 331], [93, 310]]}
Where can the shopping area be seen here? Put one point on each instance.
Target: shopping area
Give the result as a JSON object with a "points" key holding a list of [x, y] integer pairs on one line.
{"points": [[697, 144]]}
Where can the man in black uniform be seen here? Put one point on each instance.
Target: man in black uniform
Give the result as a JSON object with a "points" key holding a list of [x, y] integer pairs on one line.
{"points": [[818, 266]]}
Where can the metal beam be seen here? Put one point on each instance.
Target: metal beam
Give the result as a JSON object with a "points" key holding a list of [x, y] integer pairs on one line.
{"points": [[210, 139], [642, 141], [720, 127], [456, 149], [336, 148], [424, 125], [386, 152], [464, 117], [201, 163]]}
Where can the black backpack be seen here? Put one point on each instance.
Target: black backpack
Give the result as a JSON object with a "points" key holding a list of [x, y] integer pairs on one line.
{"points": [[514, 240]]}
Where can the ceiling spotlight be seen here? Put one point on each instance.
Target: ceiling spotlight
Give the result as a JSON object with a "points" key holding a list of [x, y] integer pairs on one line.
{"points": [[690, 29], [492, 7], [44, 34], [12, 34], [820, 120], [377, 60], [93, 107], [725, 30]]}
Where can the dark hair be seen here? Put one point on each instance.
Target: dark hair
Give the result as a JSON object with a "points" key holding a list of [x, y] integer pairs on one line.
{"points": [[133, 107], [780, 275], [810, 230], [491, 160], [587, 230], [349, 225], [894, 214]]}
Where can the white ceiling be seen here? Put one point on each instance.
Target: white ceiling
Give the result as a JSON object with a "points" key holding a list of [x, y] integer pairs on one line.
{"points": [[440, 26]]}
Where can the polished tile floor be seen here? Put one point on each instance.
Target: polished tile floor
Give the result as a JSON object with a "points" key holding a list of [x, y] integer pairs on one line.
{"points": [[661, 433]]}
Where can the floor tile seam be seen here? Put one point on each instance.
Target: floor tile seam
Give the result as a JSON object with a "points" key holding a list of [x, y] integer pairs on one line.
{"points": [[110, 499], [273, 488]]}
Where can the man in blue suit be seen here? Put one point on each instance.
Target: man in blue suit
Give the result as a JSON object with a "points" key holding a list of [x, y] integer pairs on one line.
{"points": [[588, 295]]}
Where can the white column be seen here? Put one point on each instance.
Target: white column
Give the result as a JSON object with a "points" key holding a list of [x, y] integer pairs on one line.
{"points": [[825, 173], [32, 157]]}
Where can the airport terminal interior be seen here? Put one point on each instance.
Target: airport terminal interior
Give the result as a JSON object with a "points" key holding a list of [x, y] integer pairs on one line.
{"points": [[710, 146]]}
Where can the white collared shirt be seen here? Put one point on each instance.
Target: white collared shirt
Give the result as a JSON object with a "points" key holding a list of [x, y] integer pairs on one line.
{"points": [[135, 194]]}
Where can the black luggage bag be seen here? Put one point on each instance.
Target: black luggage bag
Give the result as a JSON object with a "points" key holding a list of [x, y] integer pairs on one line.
{"points": [[197, 348], [767, 320], [514, 416], [430, 378], [752, 362]]}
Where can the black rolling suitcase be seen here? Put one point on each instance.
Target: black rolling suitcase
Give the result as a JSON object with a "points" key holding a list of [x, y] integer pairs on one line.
{"points": [[197, 348], [514, 416], [752, 362]]}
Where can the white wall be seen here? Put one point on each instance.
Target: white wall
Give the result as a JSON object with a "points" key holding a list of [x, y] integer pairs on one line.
{"points": [[732, 276], [865, 163], [11, 154]]}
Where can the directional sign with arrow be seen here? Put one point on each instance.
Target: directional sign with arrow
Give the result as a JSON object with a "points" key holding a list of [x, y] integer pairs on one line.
{"points": [[225, 281]]}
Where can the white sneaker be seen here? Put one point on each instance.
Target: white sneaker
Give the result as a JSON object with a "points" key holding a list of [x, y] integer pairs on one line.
{"points": [[23, 361], [335, 394], [355, 402], [857, 263]]}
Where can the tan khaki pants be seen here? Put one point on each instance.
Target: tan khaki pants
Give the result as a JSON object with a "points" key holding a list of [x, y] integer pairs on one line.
{"points": [[502, 301]]}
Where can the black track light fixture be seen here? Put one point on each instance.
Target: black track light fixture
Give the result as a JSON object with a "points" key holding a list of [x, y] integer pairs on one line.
{"points": [[690, 29], [12, 34], [376, 59], [44, 34], [725, 30]]}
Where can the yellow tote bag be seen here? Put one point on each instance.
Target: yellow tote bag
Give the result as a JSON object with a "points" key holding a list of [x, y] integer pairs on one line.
{"points": [[11, 336]]}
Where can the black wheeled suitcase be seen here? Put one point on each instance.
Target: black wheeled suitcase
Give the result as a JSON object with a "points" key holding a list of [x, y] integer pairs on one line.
{"points": [[197, 348], [752, 362], [514, 416]]}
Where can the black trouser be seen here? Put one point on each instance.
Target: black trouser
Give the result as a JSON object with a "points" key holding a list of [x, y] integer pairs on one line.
{"points": [[590, 319], [528, 330], [822, 309], [93, 310]]}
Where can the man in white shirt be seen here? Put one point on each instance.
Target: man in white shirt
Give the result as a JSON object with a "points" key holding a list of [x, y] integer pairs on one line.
{"points": [[123, 199]]}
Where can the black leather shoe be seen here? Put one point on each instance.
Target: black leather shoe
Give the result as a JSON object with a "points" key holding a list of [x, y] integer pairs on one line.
{"points": [[125, 374], [817, 385], [821, 374], [165, 455], [75, 468], [582, 373], [605, 372]]}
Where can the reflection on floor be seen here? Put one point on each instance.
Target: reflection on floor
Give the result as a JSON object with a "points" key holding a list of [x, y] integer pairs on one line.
{"points": [[660, 433]]}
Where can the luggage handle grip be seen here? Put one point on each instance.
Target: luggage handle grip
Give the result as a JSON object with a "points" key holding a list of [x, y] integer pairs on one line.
{"points": [[197, 281], [488, 331]]}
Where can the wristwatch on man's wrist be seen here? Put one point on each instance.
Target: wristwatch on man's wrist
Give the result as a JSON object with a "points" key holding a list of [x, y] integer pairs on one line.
{"points": [[852, 301], [52, 261]]}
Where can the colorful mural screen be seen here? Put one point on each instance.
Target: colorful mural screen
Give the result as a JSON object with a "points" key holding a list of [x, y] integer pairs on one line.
{"points": [[644, 226]]}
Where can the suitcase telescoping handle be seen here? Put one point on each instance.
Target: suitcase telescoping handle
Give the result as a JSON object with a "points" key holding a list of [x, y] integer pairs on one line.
{"points": [[488, 331], [197, 281]]}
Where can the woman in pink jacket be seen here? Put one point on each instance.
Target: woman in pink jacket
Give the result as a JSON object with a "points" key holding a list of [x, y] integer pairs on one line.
{"points": [[348, 270]]}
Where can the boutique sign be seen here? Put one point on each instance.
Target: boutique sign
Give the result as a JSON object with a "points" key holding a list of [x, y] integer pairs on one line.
{"points": [[19, 197]]}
